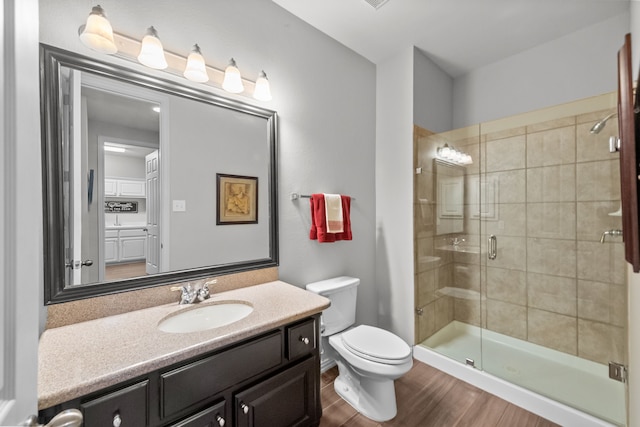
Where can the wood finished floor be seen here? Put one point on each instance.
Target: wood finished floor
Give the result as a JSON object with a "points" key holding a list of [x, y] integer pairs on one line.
{"points": [[429, 397], [125, 271]]}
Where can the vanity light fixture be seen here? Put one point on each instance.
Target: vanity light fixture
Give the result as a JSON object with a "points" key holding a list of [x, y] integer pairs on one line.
{"points": [[97, 33], [151, 52], [232, 79], [451, 155], [262, 92], [196, 70]]}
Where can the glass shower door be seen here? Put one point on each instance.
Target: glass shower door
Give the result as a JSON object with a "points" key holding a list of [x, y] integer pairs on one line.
{"points": [[555, 294], [447, 241]]}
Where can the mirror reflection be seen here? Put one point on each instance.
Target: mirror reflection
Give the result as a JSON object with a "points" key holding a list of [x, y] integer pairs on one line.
{"points": [[140, 197], [449, 197]]}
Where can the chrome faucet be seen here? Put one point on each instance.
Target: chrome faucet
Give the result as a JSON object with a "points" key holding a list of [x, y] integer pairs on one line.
{"points": [[190, 294], [455, 241], [610, 233]]}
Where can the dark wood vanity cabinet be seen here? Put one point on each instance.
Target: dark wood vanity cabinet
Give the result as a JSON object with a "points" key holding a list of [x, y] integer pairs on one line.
{"points": [[270, 380]]}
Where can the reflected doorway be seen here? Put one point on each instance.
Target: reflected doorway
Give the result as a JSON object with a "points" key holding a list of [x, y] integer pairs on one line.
{"points": [[129, 207]]}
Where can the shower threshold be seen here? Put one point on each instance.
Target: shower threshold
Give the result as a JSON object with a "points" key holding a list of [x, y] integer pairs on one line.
{"points": [[570, 380]]}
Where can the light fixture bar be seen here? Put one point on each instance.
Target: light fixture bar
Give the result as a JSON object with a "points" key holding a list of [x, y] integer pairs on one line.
{"points": [[128, 48]]}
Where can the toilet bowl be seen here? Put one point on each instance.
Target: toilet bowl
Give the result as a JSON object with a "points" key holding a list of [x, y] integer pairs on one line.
{"points": [[369, 359]]}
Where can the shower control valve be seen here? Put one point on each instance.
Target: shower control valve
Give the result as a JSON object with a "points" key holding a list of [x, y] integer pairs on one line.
{"points": [[614, 144]]}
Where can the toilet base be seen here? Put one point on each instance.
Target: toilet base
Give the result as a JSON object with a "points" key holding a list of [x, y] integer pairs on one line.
{"points": [[373, 398]]}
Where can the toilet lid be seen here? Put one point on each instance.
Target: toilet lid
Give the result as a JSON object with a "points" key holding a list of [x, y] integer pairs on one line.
{"points": [[376, 344]]}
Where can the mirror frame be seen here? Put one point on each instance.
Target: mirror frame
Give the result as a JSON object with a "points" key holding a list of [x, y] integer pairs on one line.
{"points": [[55, 291]]}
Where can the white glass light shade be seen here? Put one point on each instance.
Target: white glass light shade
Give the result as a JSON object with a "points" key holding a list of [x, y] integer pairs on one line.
{"points": [[232, 79], [196, 70], [151, 51], [262, 91], [97, 33]]}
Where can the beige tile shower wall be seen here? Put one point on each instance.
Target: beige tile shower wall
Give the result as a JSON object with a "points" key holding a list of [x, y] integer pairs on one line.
{"points": [[554, 283]]}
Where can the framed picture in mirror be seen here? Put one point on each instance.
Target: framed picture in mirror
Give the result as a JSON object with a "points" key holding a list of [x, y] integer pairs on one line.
{"points": [[237, 201]]}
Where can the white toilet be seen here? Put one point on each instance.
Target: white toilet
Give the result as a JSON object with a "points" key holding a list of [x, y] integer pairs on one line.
{"points": [[369, 359]]}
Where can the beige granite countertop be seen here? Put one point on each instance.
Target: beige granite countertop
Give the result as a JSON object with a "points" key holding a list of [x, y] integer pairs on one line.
{"points": [[85, 357]]}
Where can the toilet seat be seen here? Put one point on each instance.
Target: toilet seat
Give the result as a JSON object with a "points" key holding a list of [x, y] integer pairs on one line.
{"points": [[376, 345]]}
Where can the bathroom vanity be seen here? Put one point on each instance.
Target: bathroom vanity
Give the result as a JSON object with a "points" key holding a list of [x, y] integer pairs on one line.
{"points": [[123, 371]]}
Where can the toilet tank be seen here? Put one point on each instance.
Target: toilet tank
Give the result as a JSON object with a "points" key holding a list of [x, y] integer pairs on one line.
{"points": [[342, 291]]}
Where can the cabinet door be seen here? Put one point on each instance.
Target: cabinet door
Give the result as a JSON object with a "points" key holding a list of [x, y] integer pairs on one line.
{"points": [[110, 187], [132, 248], [111, 249], [131, 188], [210, 417], [285, 400]]}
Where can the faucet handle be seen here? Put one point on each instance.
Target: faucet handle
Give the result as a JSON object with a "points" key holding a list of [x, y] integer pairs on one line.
{"points": [[203, 292], [187, 296]]}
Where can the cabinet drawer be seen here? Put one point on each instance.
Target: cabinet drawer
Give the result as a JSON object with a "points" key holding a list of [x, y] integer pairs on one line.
{"points": [[210, 417], [133, 233], [301, 339], [111, 234], [197, 381], [129, 405]]}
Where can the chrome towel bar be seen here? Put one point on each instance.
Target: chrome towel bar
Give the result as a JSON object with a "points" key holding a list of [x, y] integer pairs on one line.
{"points": [[296, 196]]}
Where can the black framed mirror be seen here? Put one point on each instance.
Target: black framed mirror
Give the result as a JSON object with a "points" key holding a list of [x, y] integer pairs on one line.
{"points": [[129, 180]]}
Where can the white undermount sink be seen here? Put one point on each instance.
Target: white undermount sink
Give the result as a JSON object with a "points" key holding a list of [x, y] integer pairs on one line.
{"points": [[203, 317]]}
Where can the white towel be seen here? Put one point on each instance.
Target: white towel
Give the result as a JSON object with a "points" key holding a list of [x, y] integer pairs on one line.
{"points": [[333, 210]]}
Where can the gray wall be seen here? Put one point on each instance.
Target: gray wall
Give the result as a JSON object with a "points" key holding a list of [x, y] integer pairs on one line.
{"points": [[323, 92], [394, 193], [432, 95], [205, 140], [579, 65]]}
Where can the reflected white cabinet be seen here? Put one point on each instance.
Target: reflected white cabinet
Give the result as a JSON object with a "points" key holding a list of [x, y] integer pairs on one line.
{"points": [[111, 246], [110, 187], [132, 245], [125, 245], [118, 187]]}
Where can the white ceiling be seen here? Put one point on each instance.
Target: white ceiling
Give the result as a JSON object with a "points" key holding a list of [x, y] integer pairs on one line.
{"points": [[458, 35]]}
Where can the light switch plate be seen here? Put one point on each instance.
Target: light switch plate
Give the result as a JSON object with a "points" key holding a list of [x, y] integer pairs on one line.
{"points": [[179, 205]]}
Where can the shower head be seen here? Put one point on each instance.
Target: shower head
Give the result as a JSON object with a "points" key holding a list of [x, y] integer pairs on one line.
{"points": [[601, 123]]}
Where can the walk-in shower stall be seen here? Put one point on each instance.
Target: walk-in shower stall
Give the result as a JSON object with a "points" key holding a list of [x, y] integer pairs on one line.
{"points": [[519, 265]]}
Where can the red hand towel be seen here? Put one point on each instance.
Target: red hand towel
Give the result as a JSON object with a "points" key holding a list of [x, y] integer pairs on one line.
{"points": [[318, 220]]}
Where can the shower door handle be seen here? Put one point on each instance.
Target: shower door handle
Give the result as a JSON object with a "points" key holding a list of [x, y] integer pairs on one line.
{"points": [[492, 247]]}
